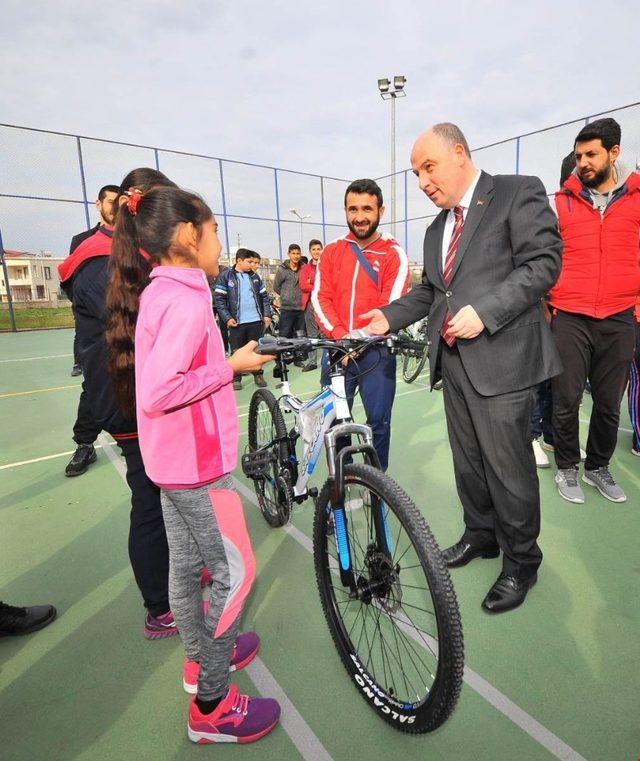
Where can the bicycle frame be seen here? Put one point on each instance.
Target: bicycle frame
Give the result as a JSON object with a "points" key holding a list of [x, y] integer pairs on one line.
{"points": [[326, 407]]}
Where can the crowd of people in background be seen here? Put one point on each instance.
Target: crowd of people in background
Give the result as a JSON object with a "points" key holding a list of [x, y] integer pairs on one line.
{"points": [[527, 311]]}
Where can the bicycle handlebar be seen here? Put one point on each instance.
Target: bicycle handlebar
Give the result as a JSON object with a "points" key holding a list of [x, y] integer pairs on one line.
{"points": [[277, 346]]}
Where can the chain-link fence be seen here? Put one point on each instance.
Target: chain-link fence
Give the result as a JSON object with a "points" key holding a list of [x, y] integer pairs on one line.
{"points": [[538, 153], [49, 182]]}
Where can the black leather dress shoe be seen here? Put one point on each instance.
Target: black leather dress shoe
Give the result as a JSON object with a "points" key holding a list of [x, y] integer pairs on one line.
{"points": [[507, 593], [463, 552], [14, 621]]}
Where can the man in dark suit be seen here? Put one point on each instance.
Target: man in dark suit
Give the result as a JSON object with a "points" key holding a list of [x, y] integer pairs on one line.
{"points": [[489, 257]]}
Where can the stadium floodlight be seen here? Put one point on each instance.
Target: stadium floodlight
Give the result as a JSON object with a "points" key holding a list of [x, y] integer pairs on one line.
{"points": [[398, 82], [386, 93]]}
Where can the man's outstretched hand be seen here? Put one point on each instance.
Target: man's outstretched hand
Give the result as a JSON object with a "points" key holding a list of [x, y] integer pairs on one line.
{"points": [[378, 323]]}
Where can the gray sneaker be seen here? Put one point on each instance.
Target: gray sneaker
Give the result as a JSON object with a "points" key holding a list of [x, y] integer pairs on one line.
{"points": [[568, 487], [605, 484]]}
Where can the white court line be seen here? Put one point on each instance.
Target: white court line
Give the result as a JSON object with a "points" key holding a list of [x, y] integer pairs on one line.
{"points": [[47, 457], [299, 732], [29, 359], [485, 689]]}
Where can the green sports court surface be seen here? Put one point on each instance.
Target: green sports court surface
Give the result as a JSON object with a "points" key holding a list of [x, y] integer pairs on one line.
{"points": [[557, 678]]}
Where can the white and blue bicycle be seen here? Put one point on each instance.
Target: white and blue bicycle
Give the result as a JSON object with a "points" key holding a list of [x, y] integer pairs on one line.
{"points": [[384, 587]]}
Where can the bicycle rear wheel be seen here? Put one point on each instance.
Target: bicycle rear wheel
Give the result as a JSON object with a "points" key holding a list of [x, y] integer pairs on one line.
{"points": [[267, 431], [399, 636], [413, 365]]}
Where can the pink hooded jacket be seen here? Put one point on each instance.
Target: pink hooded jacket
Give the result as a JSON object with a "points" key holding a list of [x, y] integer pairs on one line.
{"points": [[186, 408]]}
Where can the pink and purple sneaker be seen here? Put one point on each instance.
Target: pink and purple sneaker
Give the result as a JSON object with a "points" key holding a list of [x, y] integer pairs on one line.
{"points": [[245, 649], [237, 719], [159, 627]]}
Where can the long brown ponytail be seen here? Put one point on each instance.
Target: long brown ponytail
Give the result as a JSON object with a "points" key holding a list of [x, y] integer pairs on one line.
{"points": [[142, 236], [128, 276]]}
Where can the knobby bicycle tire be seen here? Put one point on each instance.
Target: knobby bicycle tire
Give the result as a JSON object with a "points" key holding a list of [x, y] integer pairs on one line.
{"points": [[434, 708]]}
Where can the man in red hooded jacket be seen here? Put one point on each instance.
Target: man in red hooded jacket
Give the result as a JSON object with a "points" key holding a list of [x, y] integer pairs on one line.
{"points": [[592, 305]]}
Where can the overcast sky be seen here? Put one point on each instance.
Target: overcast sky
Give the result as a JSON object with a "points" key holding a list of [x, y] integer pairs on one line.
{"points": [[293, 84]]}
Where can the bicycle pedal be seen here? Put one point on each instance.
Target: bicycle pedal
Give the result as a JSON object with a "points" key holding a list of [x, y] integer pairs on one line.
{"points": [[255, 465]]}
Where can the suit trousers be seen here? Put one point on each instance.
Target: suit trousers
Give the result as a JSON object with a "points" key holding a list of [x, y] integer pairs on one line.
{"points": [[601, 350], [494, 466]]}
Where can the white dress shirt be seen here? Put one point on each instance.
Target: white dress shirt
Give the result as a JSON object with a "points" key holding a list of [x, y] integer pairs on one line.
{"points": [[465, 202]]}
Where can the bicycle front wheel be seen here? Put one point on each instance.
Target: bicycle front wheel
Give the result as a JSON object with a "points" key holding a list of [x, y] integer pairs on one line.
{"points": [[399, 634], [267, 432]]}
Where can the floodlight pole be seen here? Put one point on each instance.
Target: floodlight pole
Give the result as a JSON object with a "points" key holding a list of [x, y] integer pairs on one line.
{"points": [[393, 166], [386, 93], [301, 217]]}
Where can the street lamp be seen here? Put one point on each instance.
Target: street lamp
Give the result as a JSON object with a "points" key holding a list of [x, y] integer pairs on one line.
{"points": [[386, 93], [301, 217]]}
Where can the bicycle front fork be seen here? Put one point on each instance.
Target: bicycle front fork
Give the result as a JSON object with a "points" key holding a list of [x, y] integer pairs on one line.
{"points": [[336, 461]]}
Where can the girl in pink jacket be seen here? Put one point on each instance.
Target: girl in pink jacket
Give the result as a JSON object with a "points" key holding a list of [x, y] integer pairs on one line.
{"points": [[188, 430]]}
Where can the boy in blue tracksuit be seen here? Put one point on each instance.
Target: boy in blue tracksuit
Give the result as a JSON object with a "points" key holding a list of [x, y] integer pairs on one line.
{"points": [[241, 300]]}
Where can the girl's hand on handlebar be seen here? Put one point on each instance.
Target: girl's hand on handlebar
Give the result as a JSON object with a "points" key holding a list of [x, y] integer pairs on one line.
{"points": [[245, 360]]}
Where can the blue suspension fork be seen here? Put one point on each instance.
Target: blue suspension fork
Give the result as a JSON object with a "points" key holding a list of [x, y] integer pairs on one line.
{"points": [[382, 536], [342, 541]]}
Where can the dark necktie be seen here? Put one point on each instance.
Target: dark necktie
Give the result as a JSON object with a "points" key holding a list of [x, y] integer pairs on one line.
{"points": [[447, 270]]}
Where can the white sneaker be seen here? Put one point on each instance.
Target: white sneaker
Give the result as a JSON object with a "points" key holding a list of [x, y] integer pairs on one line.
{"points": [[542, 461]]}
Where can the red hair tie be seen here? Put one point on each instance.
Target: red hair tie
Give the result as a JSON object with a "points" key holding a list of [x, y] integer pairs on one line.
{"points": [[134, 196]]}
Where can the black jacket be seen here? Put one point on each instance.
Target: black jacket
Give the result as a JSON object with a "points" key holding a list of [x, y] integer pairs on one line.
{"points": [[88, 288]]}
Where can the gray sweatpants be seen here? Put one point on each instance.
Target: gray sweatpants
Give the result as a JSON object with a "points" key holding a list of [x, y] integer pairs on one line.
{"points": [[206, 529], [312, 330]]}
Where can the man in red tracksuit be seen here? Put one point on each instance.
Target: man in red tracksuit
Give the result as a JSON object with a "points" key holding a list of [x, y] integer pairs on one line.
{"points": [[592, 305], [361, 271]]}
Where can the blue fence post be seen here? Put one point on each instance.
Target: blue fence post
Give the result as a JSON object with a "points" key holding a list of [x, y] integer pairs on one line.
{"points": [[224, 207], [275, 176], [157, 158], [84, 184], [517, 155], [406, 214], [5, 271], [324, 222]]}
